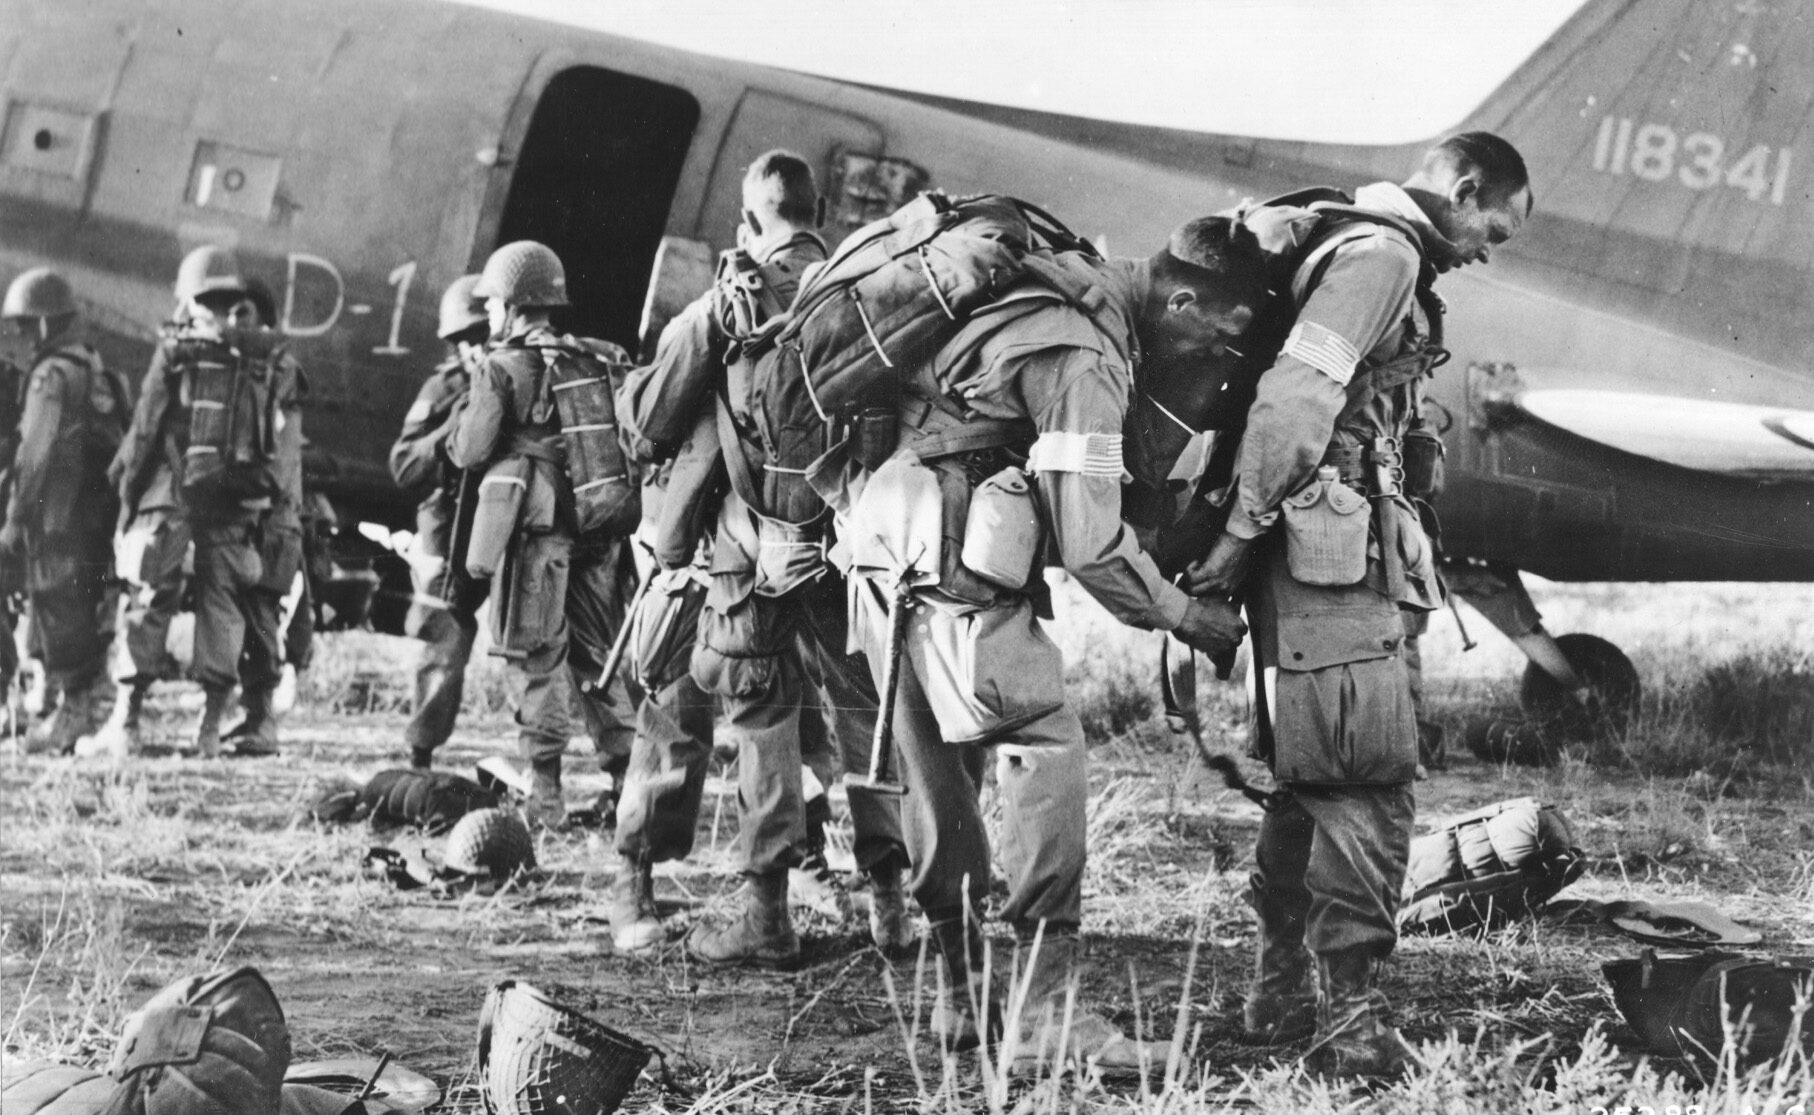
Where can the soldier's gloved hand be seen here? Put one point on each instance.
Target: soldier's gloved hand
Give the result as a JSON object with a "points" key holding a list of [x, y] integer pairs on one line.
{"points": [[1211, 626], [1225, 569]]}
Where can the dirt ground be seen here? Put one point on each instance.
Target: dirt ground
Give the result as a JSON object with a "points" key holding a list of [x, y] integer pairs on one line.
{"points": [[118, 880]]}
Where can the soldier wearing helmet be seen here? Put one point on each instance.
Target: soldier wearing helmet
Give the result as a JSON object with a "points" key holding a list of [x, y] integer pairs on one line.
{"points": [[559, 594], [444, 613], [222, 475], [62, 508]]}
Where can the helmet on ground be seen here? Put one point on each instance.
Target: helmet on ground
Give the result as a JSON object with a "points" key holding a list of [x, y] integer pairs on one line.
{"points": [[537, 1057], [494, 842], [461, 309], [207, 269], [206, 1044], [524, 273], [39, 292]]}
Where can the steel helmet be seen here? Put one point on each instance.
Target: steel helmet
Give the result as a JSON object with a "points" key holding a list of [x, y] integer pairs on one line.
{"points": [[207, 269], [39, 292], [494, 842], [524, 273], [540, 1057], [461, 309]]}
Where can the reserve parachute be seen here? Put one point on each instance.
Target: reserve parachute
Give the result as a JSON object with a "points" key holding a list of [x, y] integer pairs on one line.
{"points": [[229, 385]]}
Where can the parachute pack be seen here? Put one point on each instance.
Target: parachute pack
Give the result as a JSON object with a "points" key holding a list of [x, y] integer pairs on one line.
{"points": [[229, 385], [1489, 868], [583, 376], [899, 288]]}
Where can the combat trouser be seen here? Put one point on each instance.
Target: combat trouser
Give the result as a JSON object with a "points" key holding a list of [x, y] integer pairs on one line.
{"points": [[598, 601], [444, 616], [562, 609], [154, 550], [1039, 755], [1342, 738], [228, 604], [263, 653], [70, 583], [664, 782], [1332, 860], [810, 625]]}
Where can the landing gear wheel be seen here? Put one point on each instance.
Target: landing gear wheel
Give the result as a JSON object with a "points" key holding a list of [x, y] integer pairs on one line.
{"points": [[1612, 683]]}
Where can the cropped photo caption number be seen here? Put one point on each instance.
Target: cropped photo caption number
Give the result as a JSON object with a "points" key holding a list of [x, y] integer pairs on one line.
{"points": [[1698, 160]]}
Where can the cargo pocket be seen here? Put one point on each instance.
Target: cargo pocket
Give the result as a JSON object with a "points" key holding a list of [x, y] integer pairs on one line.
{"points": [[1348, 725], [1326, 532], [985, 672], [664, 628], [738, 650]]}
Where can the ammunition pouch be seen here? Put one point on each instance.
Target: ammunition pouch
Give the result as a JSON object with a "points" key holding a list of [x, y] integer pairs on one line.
{"points": [[502, 494], [1425, 468]]}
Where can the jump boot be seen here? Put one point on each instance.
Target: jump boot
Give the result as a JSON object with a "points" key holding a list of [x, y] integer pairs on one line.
{"points": [[256, 735], [545, 805], [630, 905], [207, 730], [1352, 1036], [81, 711], [1281, 1000], [959, 943], [890, 926], [1046, 966], [760, 932]]}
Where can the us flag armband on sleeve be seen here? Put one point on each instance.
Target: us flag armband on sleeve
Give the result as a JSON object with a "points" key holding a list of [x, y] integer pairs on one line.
{"points": [[1323, 349], [1089, 454]]}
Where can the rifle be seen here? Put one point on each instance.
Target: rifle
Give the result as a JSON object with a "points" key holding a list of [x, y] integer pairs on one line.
{"points": [[460, 531]]}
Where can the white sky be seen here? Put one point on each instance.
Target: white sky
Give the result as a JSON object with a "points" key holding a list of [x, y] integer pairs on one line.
{"points": [[1358, 71]]}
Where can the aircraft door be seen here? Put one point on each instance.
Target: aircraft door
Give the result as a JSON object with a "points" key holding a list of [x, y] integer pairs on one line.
{"points": [[825, 137], [594, 180]]}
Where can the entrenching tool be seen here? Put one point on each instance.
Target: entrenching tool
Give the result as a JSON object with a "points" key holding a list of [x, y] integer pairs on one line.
{"points": [[622, 642], [897, 531]]}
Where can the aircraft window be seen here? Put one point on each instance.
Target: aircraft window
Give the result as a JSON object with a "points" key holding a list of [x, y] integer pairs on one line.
{"points": [[233, 180], [867, 187], [47, 140]]}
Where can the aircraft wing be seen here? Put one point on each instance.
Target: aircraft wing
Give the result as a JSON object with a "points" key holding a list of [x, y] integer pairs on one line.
{"points": [[1730, 438]]}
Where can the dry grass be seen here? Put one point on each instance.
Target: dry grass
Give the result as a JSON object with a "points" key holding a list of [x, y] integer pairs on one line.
{"points": [[117, 881]]}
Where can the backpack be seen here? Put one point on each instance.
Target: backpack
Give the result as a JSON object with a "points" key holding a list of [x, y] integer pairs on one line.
{"points": [[899, 288], [229, 386], [583, 376], [764, 399], [1488, 868]]}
